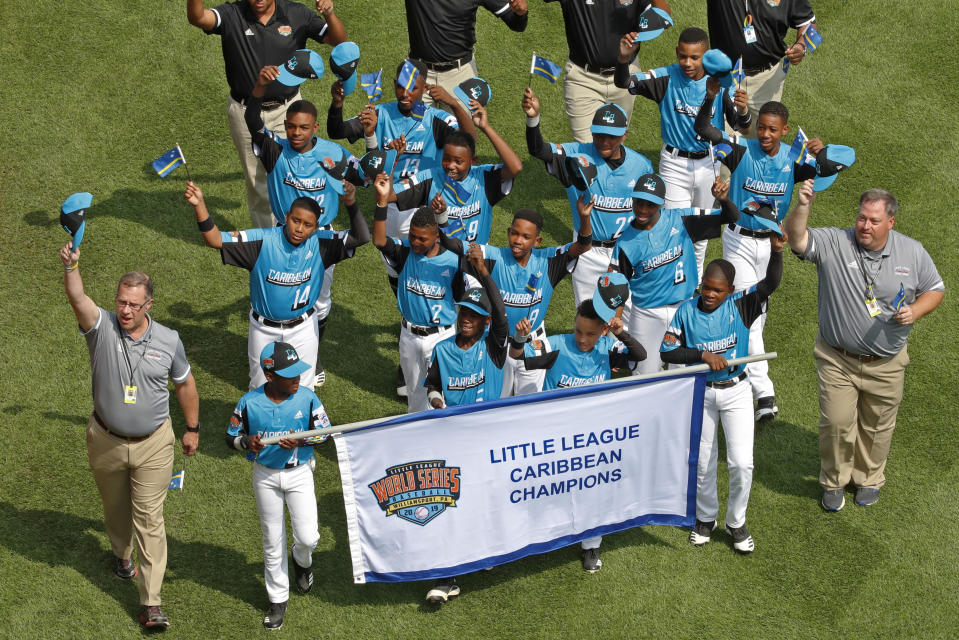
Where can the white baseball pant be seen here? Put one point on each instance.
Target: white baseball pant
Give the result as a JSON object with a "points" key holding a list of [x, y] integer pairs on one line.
{"points": [[689, 183], [733, 407], [517, 379], [750, 256], [416, 351], [273, 487], [304, 337], [649, 326]]}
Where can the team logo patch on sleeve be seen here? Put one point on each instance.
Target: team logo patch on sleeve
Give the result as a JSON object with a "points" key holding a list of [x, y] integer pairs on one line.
{"points": [[418, 491], [671, 340]]}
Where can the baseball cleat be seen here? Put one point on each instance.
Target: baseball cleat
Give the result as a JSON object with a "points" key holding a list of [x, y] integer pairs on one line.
{"points": [[702, 532], [443, 590], [591, 561], [273, 619], [766, 409], [319, 380], [152, 617], [400, 383], [303, 577], [124, 569], [742, 541]]}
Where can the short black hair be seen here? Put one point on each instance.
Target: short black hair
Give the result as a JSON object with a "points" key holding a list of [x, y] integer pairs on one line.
{"points": [[309, 204], [775, 108], [302, 106], [530, 216], [424, 217], [694, 35], [723, 267], [587, 310], [418, 64], [461, 139]]}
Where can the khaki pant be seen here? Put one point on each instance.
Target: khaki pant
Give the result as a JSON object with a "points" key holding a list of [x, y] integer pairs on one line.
{"points": [[133, 479], [585, 92], [449, 81], [858, 404], [257, 198]]}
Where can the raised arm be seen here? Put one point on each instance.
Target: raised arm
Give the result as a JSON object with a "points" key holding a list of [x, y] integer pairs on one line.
{"points": [[797, 222], [383, 185], [198, 16], [515, 14], [512, 165], [211, 235], [83, 307], [584, 238], [703, 125], [462, 114], [359, 231], [335, 30]]}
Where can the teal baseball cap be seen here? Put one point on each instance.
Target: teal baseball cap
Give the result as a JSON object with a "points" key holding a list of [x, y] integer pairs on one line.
{"points": [[304, 65], [343, 61], [281, 359]]}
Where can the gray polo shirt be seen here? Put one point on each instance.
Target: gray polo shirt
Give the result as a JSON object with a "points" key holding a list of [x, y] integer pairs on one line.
{"points": [[156, 357], [844, 271]]}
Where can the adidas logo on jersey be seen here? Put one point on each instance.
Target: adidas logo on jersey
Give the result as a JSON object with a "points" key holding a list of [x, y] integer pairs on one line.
{"points": [[673, 231], [299, 414], [446, 273], [309, 254], [248, 32]]}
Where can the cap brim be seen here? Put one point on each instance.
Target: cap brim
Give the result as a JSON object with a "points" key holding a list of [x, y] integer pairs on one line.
{"points": [[289, 79], [770, 225], [649, 197], [462, 97], [475, 307], [294, 370], [349, 85], [609, 131], [646, 36], [603, 310], [821, 183], [78, 236], [77, 201]]}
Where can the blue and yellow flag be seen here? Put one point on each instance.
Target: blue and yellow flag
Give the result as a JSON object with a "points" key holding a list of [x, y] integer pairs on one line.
{"points": [[721, 150], [372, 84], [169, 161], [533, 281], [900, 298], [460, 194], [546, 68], [408, 76], [418, 110], [176, 482], [797, 152], [738, 73], [811, 37]]}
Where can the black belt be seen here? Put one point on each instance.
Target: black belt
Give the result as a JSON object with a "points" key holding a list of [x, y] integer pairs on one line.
{"points": [[439, 67], [284, 324], [265, 105], [752, 71], [762, 233], [99, 421], [861, 357], [592, 68], [606, 244], [424, 331], [692, 155], [725, 384]]}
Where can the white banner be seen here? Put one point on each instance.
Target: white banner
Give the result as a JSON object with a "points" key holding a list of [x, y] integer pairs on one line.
{"points": [[444, 493]]}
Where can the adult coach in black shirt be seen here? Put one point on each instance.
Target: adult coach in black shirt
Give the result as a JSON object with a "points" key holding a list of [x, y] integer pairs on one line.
{"points": [[443, 35], [593, 31], [255, 33], [756, 30]]}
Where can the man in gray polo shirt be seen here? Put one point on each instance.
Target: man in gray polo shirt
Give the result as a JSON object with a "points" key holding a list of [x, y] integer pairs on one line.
{"points": [[874, 284], [129, 434]]}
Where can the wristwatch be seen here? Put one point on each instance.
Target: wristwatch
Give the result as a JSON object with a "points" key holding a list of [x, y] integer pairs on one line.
{"points": [[195, 429]]}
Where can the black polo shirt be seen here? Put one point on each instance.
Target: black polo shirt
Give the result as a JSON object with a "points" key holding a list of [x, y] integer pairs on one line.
{"points": [[595, 27], [445, 30], [248, 44], [771, 18]]}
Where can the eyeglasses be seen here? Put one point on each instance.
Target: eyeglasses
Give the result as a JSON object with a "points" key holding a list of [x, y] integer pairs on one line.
{"points": [[134, 307]]}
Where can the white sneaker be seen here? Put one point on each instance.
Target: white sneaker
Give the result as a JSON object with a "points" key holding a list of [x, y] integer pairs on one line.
{"points": [[319, 380], [701, 533], [742, 541], [443, 590]]}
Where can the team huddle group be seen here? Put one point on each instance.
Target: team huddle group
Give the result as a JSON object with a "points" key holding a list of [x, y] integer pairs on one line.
{"points": [[472, 314]]}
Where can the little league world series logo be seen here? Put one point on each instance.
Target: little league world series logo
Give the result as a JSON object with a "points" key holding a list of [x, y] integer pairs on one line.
{"points": [[418, 491]]}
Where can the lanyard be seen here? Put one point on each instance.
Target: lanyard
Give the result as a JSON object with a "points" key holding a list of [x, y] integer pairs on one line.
{"points": [[748, 18], [867, 278], [126, 353]]}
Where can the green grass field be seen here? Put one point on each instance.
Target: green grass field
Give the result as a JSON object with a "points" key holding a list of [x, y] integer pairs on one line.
{"points": [[93, 91]]}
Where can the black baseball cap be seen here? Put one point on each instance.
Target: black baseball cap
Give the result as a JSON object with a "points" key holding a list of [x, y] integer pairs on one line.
{"points": [[281, 359], [477, 300], [650, 187], [336, 170], [73, 214], [376, 162], [764, 215], [581, 171], [612, 292], [473, 88], [610, 119], [303, 66]]}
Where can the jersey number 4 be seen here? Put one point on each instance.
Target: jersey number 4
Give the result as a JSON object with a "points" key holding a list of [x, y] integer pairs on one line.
{"points": [[301, 298]]}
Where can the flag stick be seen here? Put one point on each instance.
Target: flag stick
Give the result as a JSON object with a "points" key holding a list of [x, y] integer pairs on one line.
{"points": [[712, 159], [532, 65], [668, 373], [185, 165]]}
